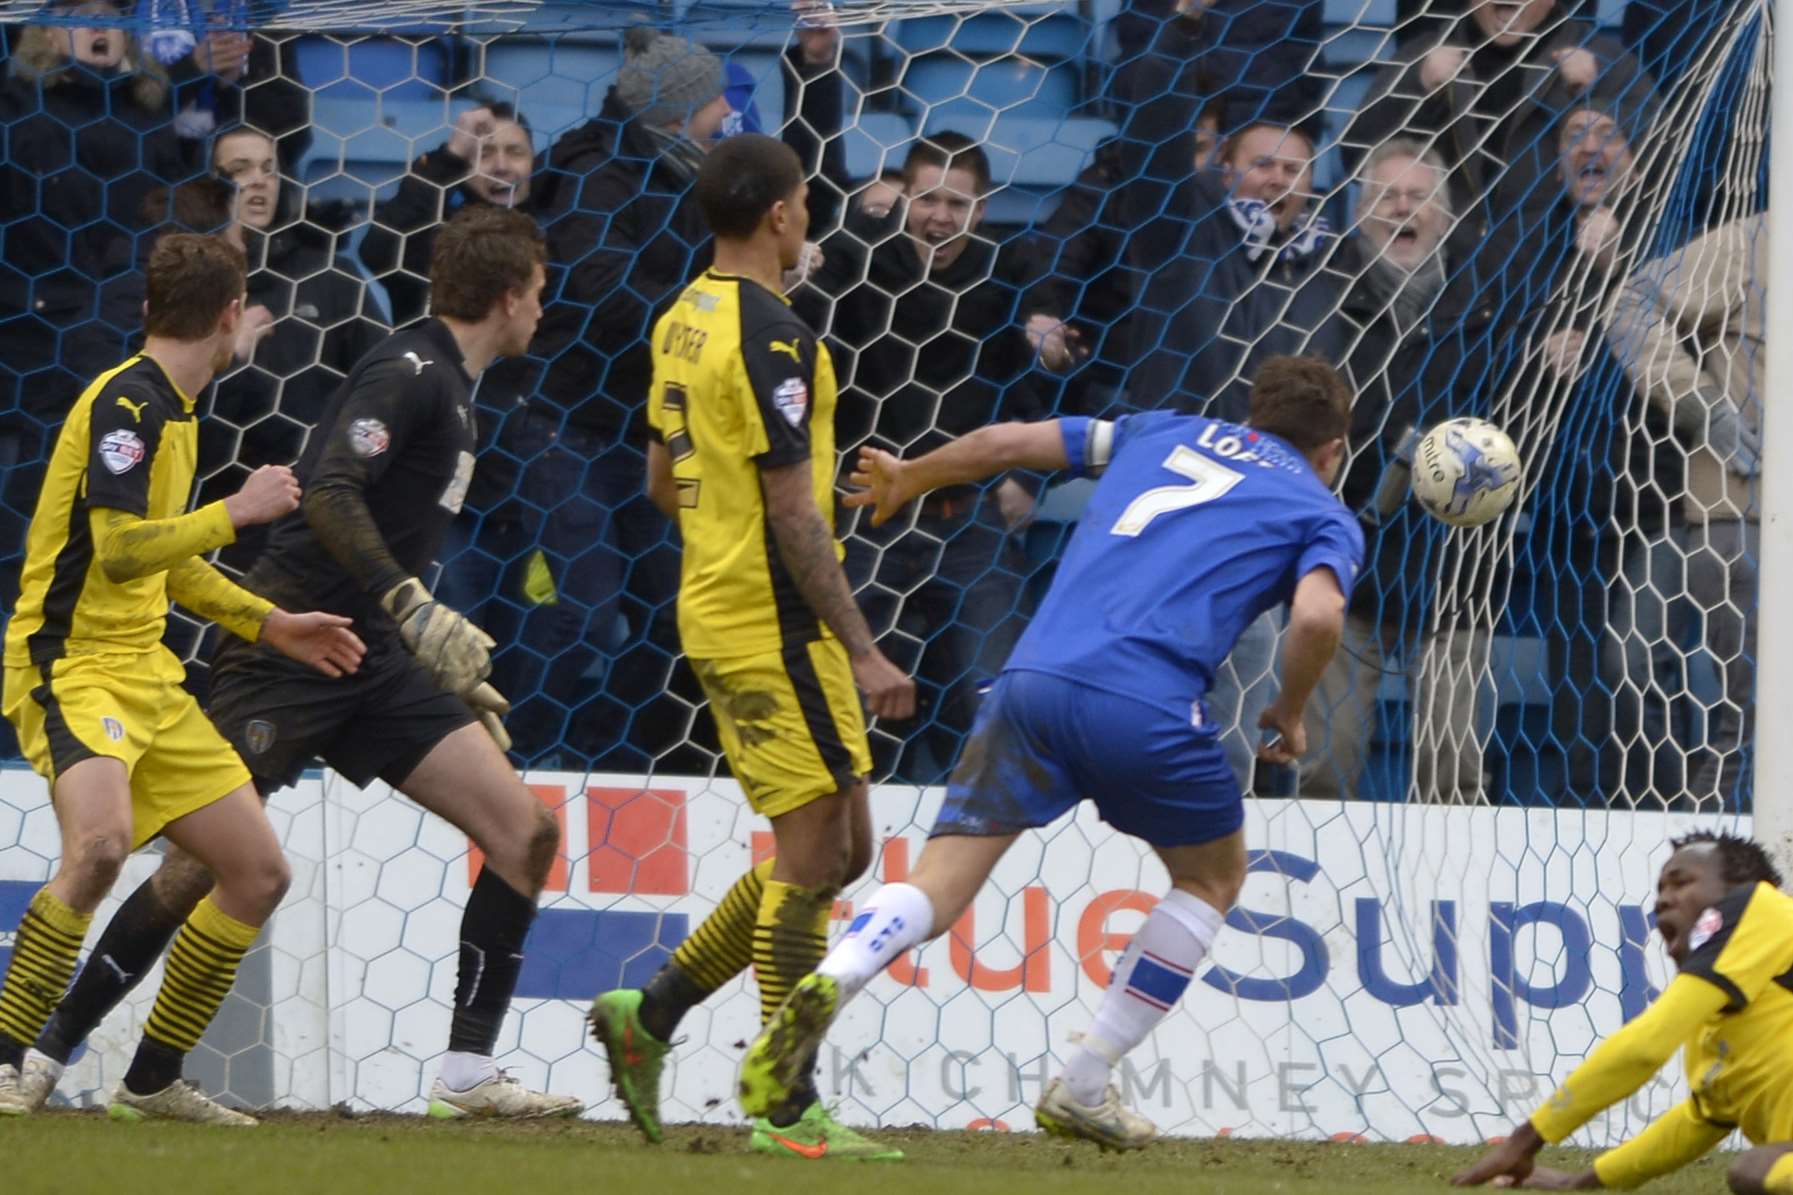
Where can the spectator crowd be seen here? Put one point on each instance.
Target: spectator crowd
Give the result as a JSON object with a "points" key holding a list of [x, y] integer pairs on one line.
{"points": [[1492, 230]]}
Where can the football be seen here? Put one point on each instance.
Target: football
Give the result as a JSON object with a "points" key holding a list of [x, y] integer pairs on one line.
{"points": [[1466, 472]]}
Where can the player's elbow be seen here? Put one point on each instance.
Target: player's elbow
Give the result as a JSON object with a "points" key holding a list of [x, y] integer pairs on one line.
{"points": [[1318, 611]]}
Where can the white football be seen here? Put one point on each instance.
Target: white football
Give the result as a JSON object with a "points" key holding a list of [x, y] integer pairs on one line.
{"points": [[1466, 472]]}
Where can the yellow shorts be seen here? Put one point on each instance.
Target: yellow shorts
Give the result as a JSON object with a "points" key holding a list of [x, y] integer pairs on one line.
{"points": [[130, 708], [791, 723]]}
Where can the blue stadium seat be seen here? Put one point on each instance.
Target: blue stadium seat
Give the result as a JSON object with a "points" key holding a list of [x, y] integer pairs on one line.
{"points": [[1347, 48], [1360, 12], [874, 142], [1011, 86], [1027, 151], [1054, 36], [390, 67], [563, 73]]}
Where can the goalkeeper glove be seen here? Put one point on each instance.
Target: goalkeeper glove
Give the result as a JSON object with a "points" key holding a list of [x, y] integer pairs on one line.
{"points": [[455, 653], [491, 707]]}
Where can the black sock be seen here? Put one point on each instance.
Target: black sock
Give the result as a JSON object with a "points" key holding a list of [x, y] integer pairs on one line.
{"points": [[11, 1052], [136, 937], [668, 996], [155, 1067], [493, 928]]}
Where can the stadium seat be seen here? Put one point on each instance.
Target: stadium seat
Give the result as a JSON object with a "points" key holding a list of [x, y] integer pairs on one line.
{"points": [[874, 142], [1010, 86], [393, 68], [533, 72], [1361, 12], [1056, 36], [1024, 150]]}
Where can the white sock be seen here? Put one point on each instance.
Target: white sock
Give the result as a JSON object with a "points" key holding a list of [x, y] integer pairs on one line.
{"points": [[896, 917], [1147, 983], [463, 1072]]}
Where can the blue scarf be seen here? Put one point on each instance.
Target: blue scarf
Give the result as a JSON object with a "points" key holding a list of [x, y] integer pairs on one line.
{"points": [[1258, 223]]}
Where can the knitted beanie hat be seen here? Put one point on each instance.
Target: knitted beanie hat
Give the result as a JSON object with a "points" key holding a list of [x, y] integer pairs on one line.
{"points": [[665, 78]]}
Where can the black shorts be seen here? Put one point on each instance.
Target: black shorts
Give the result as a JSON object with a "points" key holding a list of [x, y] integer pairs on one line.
{"points": [[281, 715]]}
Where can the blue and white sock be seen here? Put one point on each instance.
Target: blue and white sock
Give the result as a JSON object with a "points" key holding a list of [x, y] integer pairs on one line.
{"points": [[1147, 983], [896, 917]]}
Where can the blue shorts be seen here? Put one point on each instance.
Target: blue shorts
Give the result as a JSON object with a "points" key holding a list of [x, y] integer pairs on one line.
{"points": [[1042, 743]]}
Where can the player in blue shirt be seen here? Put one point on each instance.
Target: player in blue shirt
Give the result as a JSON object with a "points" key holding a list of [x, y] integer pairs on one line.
{"points": [[1195, 528]]}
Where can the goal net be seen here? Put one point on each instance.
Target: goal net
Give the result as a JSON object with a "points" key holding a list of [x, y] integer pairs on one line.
{"points": [[1550, 215]]}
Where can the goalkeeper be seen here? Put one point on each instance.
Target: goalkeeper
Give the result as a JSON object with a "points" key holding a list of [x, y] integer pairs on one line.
{"points": [[1730, 1012], [384, 474]]}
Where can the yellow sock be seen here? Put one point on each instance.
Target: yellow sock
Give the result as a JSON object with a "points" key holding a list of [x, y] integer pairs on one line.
{"points": [[721, 947], [202, 964], [43, 961], [790, 936]]}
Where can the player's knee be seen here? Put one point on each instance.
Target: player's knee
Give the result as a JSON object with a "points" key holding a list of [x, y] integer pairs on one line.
{"points": [[1748, 1175], [100, 856], [262, 883]]}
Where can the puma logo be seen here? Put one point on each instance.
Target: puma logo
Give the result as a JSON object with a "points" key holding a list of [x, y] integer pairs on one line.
{"points": [[417, 363], [135, 408], [788, 346]]}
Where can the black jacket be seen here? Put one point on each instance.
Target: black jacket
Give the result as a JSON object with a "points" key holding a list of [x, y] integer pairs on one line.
{"points": [[1495, 125], [922, 357], [80, 156], [1210, 313]]}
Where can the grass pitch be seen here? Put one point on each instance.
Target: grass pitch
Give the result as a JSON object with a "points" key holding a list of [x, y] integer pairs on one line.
{"points": [[81, 1152]]}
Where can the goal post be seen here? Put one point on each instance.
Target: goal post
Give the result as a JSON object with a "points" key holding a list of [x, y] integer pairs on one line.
{"points": [[1774, 676]]}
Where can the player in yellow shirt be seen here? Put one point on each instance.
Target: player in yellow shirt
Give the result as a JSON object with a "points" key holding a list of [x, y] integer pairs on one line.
{"points": [[1729, 930], [97, 700], [742, 410]]}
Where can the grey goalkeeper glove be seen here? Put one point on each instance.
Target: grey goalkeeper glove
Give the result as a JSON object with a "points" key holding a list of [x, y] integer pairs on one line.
{"points": [[490, 705], [456, 654], [1713, 422]]}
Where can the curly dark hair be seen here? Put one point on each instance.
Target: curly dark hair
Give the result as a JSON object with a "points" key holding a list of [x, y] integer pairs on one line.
{"points": [[1743, 859]]}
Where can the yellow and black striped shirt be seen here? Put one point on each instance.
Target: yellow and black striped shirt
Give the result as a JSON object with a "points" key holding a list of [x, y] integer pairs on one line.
{"points": [[741, 383], [131, 443]]}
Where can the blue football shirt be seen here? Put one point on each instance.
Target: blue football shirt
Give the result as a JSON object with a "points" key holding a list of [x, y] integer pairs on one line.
{"points": [[1195, 529]]}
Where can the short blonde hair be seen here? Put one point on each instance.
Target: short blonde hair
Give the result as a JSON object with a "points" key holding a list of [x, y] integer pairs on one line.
{"points": [[41, 56]]}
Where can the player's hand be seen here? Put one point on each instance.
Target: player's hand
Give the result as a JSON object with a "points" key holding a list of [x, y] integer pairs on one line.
{"points": [[1511, 1159], [1441, 66], [270, 492], [809, 261], [456, 654], [883, 485], [471, 128], [1598, 235], [1562, 352], [252, 329], [1056, 342], [1286, 740], [323, 641], [1578, 68], [888, 692], [1015, 503], [491, 706], [224, 54], [1543, 1178], [818, 33]]}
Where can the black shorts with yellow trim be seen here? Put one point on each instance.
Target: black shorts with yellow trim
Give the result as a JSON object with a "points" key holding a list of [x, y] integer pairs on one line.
{"points": [[790, 721], [128, 707]]}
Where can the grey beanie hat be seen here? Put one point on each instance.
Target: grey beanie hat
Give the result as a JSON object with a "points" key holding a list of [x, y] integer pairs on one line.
{"points": [[665, 78]]}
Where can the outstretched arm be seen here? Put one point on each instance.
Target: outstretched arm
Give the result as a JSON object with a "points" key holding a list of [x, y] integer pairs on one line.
{"points": [[1619, 1066], [199, 587], [890, 484], [130, 547], [1316, 623]]}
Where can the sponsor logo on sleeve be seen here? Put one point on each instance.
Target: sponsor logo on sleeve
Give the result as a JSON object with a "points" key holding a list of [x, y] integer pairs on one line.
{"points": [[115, 730], [1710, 922], [369, 437], [121, 450], [791, 397]]}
